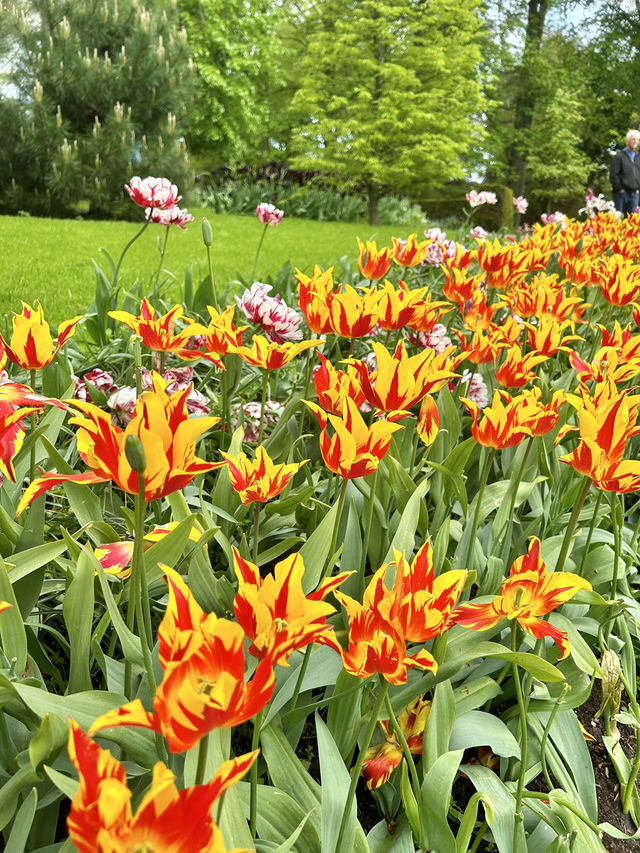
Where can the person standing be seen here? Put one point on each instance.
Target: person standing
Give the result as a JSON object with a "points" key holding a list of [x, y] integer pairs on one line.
{"points": [[625, 175]]}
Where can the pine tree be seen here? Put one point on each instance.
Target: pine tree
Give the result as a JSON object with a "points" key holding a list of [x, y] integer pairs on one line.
{"points": [[99, 90]]}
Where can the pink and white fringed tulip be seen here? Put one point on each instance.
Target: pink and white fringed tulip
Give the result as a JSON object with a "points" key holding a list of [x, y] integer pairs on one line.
{"points": [[520, 203], [475, 199], [279, 322], [269, 214], [170, 216], [157, 193]]}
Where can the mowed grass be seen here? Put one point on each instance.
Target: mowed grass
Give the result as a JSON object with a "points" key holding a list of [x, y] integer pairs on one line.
{"points": [[50, 260]]}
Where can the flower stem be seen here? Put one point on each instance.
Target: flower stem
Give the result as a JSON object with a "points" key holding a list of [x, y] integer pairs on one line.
{"points": [[212, 280], [114, 280], [265, 382], [253, 778], [203, 750], [523, 739], [256, 531], [357, 770], [566, 543], [367, 531], [592, 525], [514, 496], [405, 747], [255, 263], [32, 421], [476, 514], [616, 545], [301, 675], [162, 253], [336, 527]]}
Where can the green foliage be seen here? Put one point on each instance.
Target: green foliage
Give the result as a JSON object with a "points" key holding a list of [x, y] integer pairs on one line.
{"points": [[97, 94], [382, 99]]}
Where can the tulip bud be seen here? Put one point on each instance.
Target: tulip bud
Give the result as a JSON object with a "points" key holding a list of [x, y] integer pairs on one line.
{"points": [[136, 457], [207, 233]]}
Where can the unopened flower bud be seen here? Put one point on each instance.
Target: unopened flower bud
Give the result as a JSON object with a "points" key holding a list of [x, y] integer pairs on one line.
{"points": [[38, 92], [65, 28], [207, 233], [136, 457]]}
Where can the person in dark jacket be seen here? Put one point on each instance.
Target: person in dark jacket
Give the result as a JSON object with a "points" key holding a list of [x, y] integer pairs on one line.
{"points": [[625, 175]]}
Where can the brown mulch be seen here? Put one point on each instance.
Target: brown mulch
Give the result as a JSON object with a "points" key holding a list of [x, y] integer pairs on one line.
{"points": [[608, 790]]}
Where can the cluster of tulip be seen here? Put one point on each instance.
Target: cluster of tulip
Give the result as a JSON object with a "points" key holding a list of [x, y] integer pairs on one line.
{"points": [[514, 319]]}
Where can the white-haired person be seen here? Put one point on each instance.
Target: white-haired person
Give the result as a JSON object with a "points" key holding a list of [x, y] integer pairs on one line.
{"points": [[625, 175]]}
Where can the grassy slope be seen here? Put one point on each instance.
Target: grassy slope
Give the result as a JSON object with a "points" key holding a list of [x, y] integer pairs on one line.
{"points": [[50, 260]]}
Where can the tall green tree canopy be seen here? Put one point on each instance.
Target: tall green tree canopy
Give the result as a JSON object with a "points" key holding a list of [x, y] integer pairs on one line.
{"points": [[389, 94], [99, 90]]}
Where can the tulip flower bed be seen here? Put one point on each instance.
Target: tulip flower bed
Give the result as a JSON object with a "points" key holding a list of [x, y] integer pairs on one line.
{"points": [[336, 576]]}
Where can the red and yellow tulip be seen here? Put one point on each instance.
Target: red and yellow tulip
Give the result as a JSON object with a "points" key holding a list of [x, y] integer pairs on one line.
{"points": [[275, 613], [400, 381], [168, 437], [31, 345], [355, 449], [204, 683], [528, 593], [101, 819], [270, 355], [373, 264], [260, 480], [158, 333], [503, 423], [383, 758]]}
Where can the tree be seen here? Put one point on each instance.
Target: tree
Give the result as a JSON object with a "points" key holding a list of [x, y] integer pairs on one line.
{"points": [[389, 95], [99, 91]]}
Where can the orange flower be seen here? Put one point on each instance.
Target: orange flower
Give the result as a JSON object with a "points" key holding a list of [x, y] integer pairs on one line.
{"points": [[528, 593], [481, 348], [373, 264], [352, 315], [354, 449], [312, 298], [383, 758], [259, 480], [401, 381], [101, 819], [426, 313], [606, 423], [546, 338], [275, 613], [115, 557], [332, 386], [607, 364], [158, 333], [11, 436], [31, 344], [459, 286], [428, 420], [204, 669], [269, 355], [541, 418], [478, 315], [168, 437], [619, 280], [409, 253], [376, 641], [502, 425], [397, 307], [516, 369], [505, 265], [219, 336], [422, 603]]}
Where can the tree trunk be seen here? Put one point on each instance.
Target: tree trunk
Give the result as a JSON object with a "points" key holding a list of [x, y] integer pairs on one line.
{"points": [[373, 191], [525, 101]]}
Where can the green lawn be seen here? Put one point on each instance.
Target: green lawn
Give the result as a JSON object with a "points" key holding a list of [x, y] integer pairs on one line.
{"points": [[50, 259]]}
